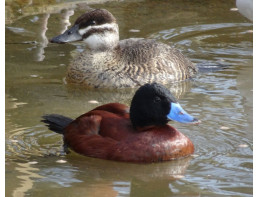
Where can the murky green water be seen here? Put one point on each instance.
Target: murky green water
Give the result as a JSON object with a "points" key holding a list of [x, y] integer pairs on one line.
{"points": [[205, 31]]}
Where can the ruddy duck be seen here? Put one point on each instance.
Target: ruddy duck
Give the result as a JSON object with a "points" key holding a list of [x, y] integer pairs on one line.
{"points": [[137, 134], [108, 62]]}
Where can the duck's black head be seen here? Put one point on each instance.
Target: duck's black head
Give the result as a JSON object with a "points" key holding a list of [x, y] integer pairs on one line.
{"points": [[154, 104]]}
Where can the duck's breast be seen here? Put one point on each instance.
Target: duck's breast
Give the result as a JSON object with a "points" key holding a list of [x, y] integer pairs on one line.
{"points": [[152, 146]]}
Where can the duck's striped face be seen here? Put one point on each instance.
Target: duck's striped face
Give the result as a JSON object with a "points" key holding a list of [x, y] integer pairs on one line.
{"points": [[97, 28]]}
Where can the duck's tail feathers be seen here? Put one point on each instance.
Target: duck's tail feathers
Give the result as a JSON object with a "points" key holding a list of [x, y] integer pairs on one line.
{"points": [[56, 123]]}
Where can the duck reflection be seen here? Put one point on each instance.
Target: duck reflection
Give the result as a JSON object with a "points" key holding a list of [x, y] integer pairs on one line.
{"points": [[28, 174], [122, 95], [97, 177], [109, 178]]}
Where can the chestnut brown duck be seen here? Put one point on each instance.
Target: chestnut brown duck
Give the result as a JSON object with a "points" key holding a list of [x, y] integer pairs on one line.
{"points": [[140, 133]]}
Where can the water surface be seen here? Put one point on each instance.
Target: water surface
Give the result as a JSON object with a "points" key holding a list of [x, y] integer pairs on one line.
{"points": [[205, 31]]}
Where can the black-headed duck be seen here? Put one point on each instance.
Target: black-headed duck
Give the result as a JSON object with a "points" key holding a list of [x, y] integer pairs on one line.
{"points": [[137, 134]]}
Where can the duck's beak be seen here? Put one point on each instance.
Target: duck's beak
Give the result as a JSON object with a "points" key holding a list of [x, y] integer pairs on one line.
{"points": [[178, 114], [69, 35]]}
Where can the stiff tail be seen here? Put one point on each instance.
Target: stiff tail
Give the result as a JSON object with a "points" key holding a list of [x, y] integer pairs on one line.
{"points": [[56, 123]]}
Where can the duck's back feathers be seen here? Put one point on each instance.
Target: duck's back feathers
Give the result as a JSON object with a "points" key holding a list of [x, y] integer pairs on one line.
{"points": [[83, 136], [115, 108], [155, 61], [132, 63]]}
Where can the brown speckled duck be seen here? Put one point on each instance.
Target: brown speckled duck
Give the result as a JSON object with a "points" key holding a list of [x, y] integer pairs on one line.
{"points": [[108, 62]]}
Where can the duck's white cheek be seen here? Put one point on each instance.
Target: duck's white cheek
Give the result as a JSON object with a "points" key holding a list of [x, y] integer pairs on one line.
{"points": [[84, 30], [93, 41], [101, 40]]}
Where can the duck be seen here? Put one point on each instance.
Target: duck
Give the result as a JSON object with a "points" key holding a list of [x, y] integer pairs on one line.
{"points": [[108, 62], [139, 133]]}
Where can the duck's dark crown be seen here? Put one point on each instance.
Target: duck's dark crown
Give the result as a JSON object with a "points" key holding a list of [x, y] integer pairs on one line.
{"points": [[150, 105]]}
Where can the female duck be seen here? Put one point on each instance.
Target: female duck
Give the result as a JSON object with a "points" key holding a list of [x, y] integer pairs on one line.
{"points": [[139, 134], [110, 63]]}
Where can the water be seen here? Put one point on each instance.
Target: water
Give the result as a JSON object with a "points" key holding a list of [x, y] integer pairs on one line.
{"points": [[207, 32]]}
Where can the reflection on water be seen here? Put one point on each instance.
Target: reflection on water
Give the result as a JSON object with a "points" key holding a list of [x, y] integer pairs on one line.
{"points": [[95, 176], [43, 38], [207, 32], [27, 175]]}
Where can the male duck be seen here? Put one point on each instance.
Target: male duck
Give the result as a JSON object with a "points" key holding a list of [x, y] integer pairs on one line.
{"points": [[137, 134], [110, 63]]}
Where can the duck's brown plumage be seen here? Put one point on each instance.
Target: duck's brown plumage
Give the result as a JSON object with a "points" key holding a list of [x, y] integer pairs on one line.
{"points": [[106, 132], [137, 134], [108, 62], [133, 63]]}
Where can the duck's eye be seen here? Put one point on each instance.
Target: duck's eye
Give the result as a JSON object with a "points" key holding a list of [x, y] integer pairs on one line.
{"points": [[157, 99], [92, 22]]}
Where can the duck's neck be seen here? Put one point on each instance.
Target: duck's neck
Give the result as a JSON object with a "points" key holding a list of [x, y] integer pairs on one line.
{"points": [[145, 128], [153, 127], [102, 38]]}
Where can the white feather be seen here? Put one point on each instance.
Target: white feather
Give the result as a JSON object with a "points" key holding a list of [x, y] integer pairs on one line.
{"points": [[102, 41], [103, 26], [106, 39]]}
